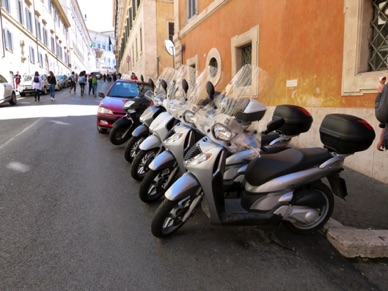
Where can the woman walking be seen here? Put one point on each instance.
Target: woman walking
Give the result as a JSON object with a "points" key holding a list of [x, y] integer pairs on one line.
{"points": [[94, 85], [52, 82], [82, 82], [36, 85]]}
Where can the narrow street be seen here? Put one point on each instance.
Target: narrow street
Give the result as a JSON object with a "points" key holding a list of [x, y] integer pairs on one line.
{"points": [[71, 219]]}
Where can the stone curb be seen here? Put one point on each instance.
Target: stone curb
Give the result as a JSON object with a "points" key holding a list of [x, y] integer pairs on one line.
{"points": [[353, 243]]}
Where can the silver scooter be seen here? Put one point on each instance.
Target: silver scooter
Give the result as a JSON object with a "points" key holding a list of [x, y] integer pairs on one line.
{"points": [[140, 133], [168, 164], [160, 127], [280, 187]]}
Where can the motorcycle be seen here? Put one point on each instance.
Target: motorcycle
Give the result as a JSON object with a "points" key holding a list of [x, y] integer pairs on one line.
{"points": [[140, 133], [168, 164], [279, 187], [122, 128]]}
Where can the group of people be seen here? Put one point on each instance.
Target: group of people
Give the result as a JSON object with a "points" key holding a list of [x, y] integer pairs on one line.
{"points": [[82, 79], [37, 85]]}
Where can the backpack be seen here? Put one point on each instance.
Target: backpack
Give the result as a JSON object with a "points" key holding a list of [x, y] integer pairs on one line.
{"points": [[36, 79], [81, 79], [381, 105]]}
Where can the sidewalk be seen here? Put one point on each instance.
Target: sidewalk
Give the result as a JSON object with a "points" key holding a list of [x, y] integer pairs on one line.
{"points": [[359, 225]]}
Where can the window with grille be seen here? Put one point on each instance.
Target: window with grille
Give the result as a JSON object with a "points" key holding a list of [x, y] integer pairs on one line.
{"points": [[246, 55], [191, 8], [378, 45]]}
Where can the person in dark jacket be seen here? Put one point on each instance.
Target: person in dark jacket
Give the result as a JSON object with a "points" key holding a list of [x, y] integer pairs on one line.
{"points": [[52, 82]]}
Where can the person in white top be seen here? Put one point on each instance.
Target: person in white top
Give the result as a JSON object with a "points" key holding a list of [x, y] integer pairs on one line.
{"points": [[36, 85]]}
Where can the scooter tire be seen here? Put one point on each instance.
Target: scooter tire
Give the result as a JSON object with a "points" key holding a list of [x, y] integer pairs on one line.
{"points": [[132, 148], [153, 186], [168, 217], [325, 213], [140, 164], [121, 131]]}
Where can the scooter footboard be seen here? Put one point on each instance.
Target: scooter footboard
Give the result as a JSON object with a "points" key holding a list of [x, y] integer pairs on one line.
{"points": [[186, 185]]}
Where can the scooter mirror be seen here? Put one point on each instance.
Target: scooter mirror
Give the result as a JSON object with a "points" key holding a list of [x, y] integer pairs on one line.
{"points": [[152, 84], [185, 85], [274, 125], [210, 89], [102, 95], [142, 78], [163, 84]]}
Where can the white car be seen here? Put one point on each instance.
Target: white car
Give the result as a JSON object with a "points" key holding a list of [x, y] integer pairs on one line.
{"points": [[7, 92], [25, 86]]}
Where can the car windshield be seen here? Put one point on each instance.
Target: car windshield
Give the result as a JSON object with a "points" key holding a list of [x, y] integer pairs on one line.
{"points": [[124, 89]]}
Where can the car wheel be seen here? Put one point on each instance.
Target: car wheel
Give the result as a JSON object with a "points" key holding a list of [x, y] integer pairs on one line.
{"points": [[102, 130], [13, 100]]}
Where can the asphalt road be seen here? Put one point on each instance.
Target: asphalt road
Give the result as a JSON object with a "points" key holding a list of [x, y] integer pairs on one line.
{"points": [[71, 220]]}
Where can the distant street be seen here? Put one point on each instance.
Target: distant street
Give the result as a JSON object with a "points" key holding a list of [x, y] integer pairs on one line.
{"points": [[71, 219]]}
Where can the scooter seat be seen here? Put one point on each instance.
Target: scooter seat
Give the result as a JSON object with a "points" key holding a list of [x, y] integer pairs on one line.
{"points": [[270, 166]]}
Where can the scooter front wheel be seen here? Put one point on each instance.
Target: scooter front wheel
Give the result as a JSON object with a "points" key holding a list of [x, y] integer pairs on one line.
{"points": [[317, 216], [140, 164], [155, 184], [120, 131], [168, 217], [132, 148]]}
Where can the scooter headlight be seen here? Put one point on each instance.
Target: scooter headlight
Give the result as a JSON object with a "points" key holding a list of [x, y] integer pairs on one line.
{"points": [[176, 136], [188, 117], [203, 157], [222, 132]]}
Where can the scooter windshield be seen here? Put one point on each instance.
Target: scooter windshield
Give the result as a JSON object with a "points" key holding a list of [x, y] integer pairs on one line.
{"points": [[234, 124], [177, 90]]}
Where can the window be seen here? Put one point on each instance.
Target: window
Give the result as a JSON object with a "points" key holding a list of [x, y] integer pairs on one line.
{"points": [[378, 46], [6, 5], [104, 47], [245, 49], [38, 29], [40, 60], [20, 12], [171, 31], [45, 36], [52, 44], [32, 55], [8, 40], [246, 55], [191, 8], [29, 20], [364, 47]]}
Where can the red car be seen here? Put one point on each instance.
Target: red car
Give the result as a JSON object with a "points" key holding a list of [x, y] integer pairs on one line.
{"points": [[110, 108]]}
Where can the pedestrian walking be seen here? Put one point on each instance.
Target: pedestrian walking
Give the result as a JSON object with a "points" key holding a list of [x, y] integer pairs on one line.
{"points": [[73, 82], [90, 77], [52, 82], [36, 84], [17, 78], [94, 85], [382, 143], [82, 82]]}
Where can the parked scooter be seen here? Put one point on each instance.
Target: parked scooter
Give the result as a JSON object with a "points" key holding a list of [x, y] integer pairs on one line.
{"points": [[163, 123], [122, 128], [140, 133], [280, 187], [168, 164]]}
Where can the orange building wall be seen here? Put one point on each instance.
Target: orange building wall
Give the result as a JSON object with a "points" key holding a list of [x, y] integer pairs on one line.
{"points": [[298, 40]]}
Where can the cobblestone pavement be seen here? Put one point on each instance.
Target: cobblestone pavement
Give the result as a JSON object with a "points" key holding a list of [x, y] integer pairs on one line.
{"points": [[366, 205]]}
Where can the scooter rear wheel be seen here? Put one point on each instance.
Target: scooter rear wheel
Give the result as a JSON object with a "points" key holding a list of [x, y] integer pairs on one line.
{"points": [[154, 185], [132, 148], [168, 217], [324, 212]]}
